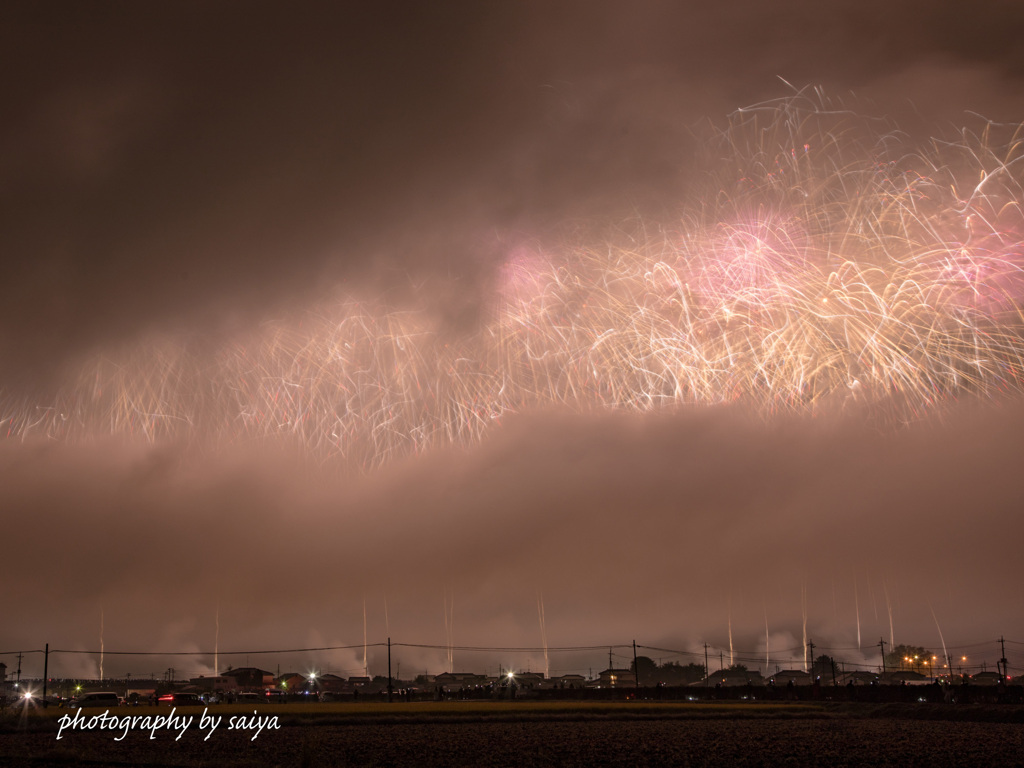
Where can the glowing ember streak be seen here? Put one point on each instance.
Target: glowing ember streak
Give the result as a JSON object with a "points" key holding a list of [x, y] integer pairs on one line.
{"points": [[824, 264]]}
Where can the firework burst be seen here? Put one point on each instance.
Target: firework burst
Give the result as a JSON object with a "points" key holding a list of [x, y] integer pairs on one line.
{"points": [[819, 262]]}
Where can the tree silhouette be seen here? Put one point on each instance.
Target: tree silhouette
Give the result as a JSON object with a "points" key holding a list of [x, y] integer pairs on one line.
{"points": [[912, 658]]}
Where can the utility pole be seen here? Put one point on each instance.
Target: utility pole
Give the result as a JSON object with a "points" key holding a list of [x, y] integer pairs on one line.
{"points": [[881, 644], [389, 671], [636, 669], [810, 651], [18, 686], [610, 666], [1002, 646], [46, 665], [707, 674]]}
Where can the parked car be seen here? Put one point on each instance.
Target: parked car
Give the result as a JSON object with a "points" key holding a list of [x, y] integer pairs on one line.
{"points": [[247, 697], [180, 699], [96, 699]]}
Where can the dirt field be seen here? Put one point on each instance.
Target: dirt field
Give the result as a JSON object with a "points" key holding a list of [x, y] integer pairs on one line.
{"points": [[507, 735]]}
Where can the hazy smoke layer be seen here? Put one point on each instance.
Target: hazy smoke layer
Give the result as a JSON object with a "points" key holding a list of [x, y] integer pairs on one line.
{"points": [[628, 525]]}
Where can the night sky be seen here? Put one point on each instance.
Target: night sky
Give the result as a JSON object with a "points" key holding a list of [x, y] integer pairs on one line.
{"points": [[214, 177]]}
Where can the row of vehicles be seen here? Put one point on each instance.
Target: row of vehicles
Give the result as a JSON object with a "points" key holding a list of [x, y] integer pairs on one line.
{"points": [[177, 699], [110, 699]]}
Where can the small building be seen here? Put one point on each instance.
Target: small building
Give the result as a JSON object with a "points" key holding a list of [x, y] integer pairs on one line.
{"points": [[857, 677], [794, 676], [568, 681], [529, 679], [329, 682], [292, 682], [905, 677], [616, 678], [735, 678], [214, 683], [454, 680], [250, 678]]}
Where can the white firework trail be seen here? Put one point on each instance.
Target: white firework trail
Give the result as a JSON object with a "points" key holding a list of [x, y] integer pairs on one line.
{"points": [[803, 609], [856, 606], [888, 607], [543, 632]]}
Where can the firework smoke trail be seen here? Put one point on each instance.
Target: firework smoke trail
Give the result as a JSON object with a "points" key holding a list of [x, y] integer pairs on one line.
{"points": [[945, 653], [871, 594], [731, 657], [543, 632], [803, 610], [888, 607], [767, 643], [216, 641], [449, 628], [825, 264], [856, 607]]}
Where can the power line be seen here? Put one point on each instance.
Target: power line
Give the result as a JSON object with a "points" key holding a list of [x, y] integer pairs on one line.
{"points": [[222, 653]]}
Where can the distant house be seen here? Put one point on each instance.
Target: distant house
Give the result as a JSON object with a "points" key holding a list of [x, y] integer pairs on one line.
{"points": [[733, 678], [568, 681], [330, 682], [455, 680], [529, 679], [214, 683], [905, 677], [616, 678], [292, 682], [858, 677], [250, 678], [787, 676]]}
